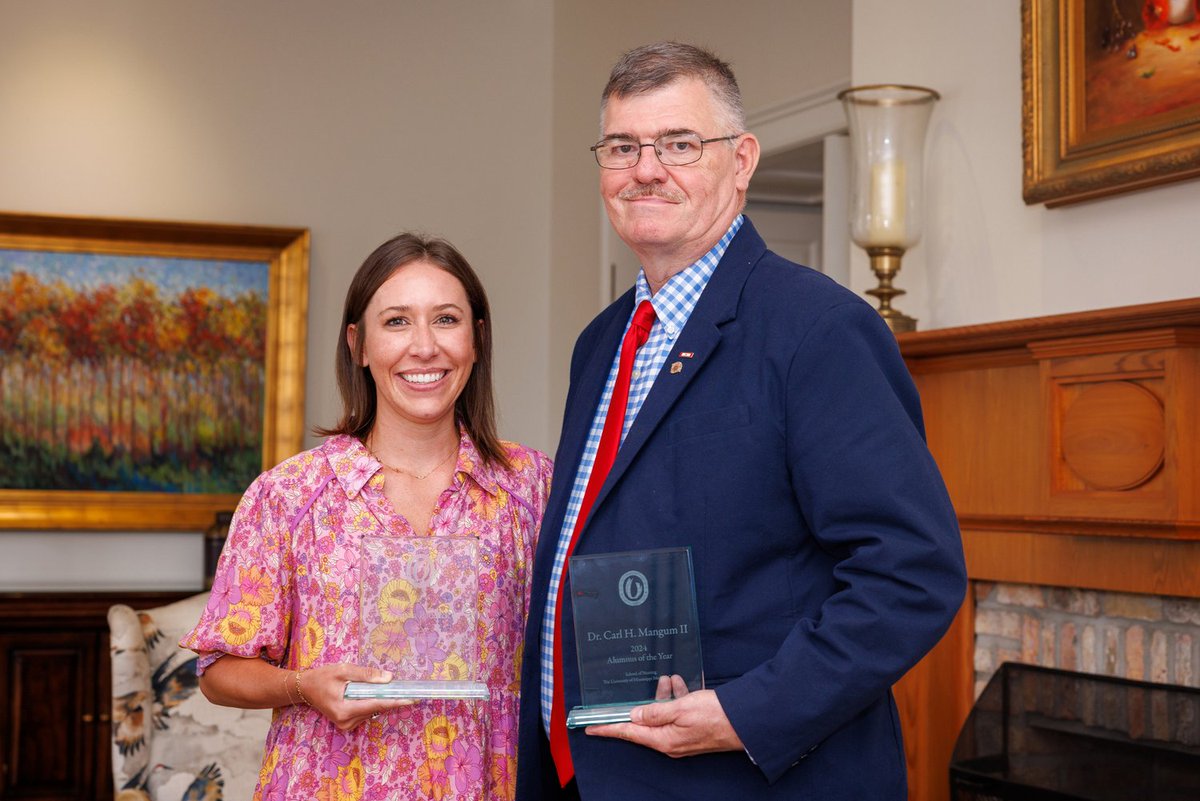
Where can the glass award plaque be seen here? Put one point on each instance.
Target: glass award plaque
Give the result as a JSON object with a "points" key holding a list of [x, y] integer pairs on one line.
{"points": [[418, 597], [635, 621]]}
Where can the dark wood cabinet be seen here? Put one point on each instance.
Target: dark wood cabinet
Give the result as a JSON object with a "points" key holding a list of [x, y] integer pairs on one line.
{"points": [[55, 693]]}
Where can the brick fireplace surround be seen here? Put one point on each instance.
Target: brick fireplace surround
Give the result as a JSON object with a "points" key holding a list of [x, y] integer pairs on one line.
{"points": [[1071, 448], [1144, 637]]}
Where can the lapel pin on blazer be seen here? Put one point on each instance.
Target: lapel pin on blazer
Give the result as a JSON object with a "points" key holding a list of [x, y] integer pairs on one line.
{"points": [[676, 367]]}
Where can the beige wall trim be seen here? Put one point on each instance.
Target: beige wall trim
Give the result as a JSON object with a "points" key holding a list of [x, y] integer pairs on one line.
{"points": [[801, 120]]}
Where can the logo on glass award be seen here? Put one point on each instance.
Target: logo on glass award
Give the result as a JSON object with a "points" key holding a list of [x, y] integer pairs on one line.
{"points": [[633, 588]]}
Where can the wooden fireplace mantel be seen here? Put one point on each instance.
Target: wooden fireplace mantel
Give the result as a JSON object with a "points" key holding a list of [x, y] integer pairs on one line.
{"points": [[1071, 448]]}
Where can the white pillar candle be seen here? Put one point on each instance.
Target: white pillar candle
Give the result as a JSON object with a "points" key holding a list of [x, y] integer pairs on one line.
{"points": [[886, 209]]}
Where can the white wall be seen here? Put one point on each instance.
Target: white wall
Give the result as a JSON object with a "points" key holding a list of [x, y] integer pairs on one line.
{"points": [[356, 121], [986, 256]]}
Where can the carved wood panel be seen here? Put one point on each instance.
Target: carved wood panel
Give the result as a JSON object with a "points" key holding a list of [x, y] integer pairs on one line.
{"points": [[1071, 449]]}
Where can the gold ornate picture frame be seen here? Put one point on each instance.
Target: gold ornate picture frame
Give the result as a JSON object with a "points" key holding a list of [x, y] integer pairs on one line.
{"points": [[1111, 96], [148, 370]]}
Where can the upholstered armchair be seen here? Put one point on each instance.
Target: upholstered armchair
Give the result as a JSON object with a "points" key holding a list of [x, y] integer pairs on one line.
{"points": [[169, 742]]}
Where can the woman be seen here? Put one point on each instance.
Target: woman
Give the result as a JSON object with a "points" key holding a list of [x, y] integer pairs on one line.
{"points": [[415, 459]]}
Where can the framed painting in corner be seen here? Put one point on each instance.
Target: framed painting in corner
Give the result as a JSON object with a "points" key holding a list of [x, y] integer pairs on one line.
{"points": [[1111, 96], [149, 371]]}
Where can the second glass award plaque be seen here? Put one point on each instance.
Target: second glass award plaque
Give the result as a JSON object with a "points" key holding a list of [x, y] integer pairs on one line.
{"points": [[418, 597], [635, 621]]}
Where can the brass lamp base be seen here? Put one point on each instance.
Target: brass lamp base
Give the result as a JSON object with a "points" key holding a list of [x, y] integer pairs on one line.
{"points": [[885, 263]]}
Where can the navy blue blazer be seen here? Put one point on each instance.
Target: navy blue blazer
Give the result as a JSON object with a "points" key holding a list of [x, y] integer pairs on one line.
{"points": [[789, 453]]}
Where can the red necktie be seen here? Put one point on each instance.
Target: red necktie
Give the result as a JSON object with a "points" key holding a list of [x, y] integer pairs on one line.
{"points": [[606, 454]]}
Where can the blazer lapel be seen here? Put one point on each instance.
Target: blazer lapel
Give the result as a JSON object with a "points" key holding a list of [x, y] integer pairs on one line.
{"points": [[700, 337]]}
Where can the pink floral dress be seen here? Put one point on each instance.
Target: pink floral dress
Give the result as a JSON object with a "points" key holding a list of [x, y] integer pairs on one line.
{"points": [[287, 590]]}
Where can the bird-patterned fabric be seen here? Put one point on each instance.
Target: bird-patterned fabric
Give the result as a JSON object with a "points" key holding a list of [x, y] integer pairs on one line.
{"points": [[170, 743]]}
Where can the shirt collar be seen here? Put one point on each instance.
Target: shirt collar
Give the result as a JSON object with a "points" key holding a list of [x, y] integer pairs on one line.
{"points": [[674, 301], [471, 464], [355, 467]]}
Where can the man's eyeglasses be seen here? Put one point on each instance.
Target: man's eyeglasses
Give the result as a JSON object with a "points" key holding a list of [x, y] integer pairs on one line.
{"points": [[673, 150]]}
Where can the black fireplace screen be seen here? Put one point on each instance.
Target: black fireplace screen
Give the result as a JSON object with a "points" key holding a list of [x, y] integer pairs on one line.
{"points": [[1040, 734]]}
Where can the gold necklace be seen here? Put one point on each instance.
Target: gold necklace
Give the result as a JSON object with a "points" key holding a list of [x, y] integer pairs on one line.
{"points": [[409, 472]]}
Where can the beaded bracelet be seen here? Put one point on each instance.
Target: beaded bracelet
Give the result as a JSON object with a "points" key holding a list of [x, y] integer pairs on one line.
{"points": [[300, 692]]}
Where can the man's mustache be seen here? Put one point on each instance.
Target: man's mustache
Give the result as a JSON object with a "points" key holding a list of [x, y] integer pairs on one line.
{"points": [[650, 190]]}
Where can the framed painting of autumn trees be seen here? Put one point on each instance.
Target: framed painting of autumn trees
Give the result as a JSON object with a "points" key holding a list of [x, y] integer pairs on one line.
{"points": [[148, 370]]}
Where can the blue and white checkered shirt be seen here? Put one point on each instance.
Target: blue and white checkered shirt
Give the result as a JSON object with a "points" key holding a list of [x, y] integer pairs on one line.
{"points": [[673, 305]]}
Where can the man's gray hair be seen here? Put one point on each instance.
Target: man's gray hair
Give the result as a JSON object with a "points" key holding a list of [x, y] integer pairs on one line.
{"points": [[653, 66]]}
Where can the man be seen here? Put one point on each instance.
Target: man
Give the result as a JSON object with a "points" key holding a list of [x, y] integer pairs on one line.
{"points": [[771, 426]]}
